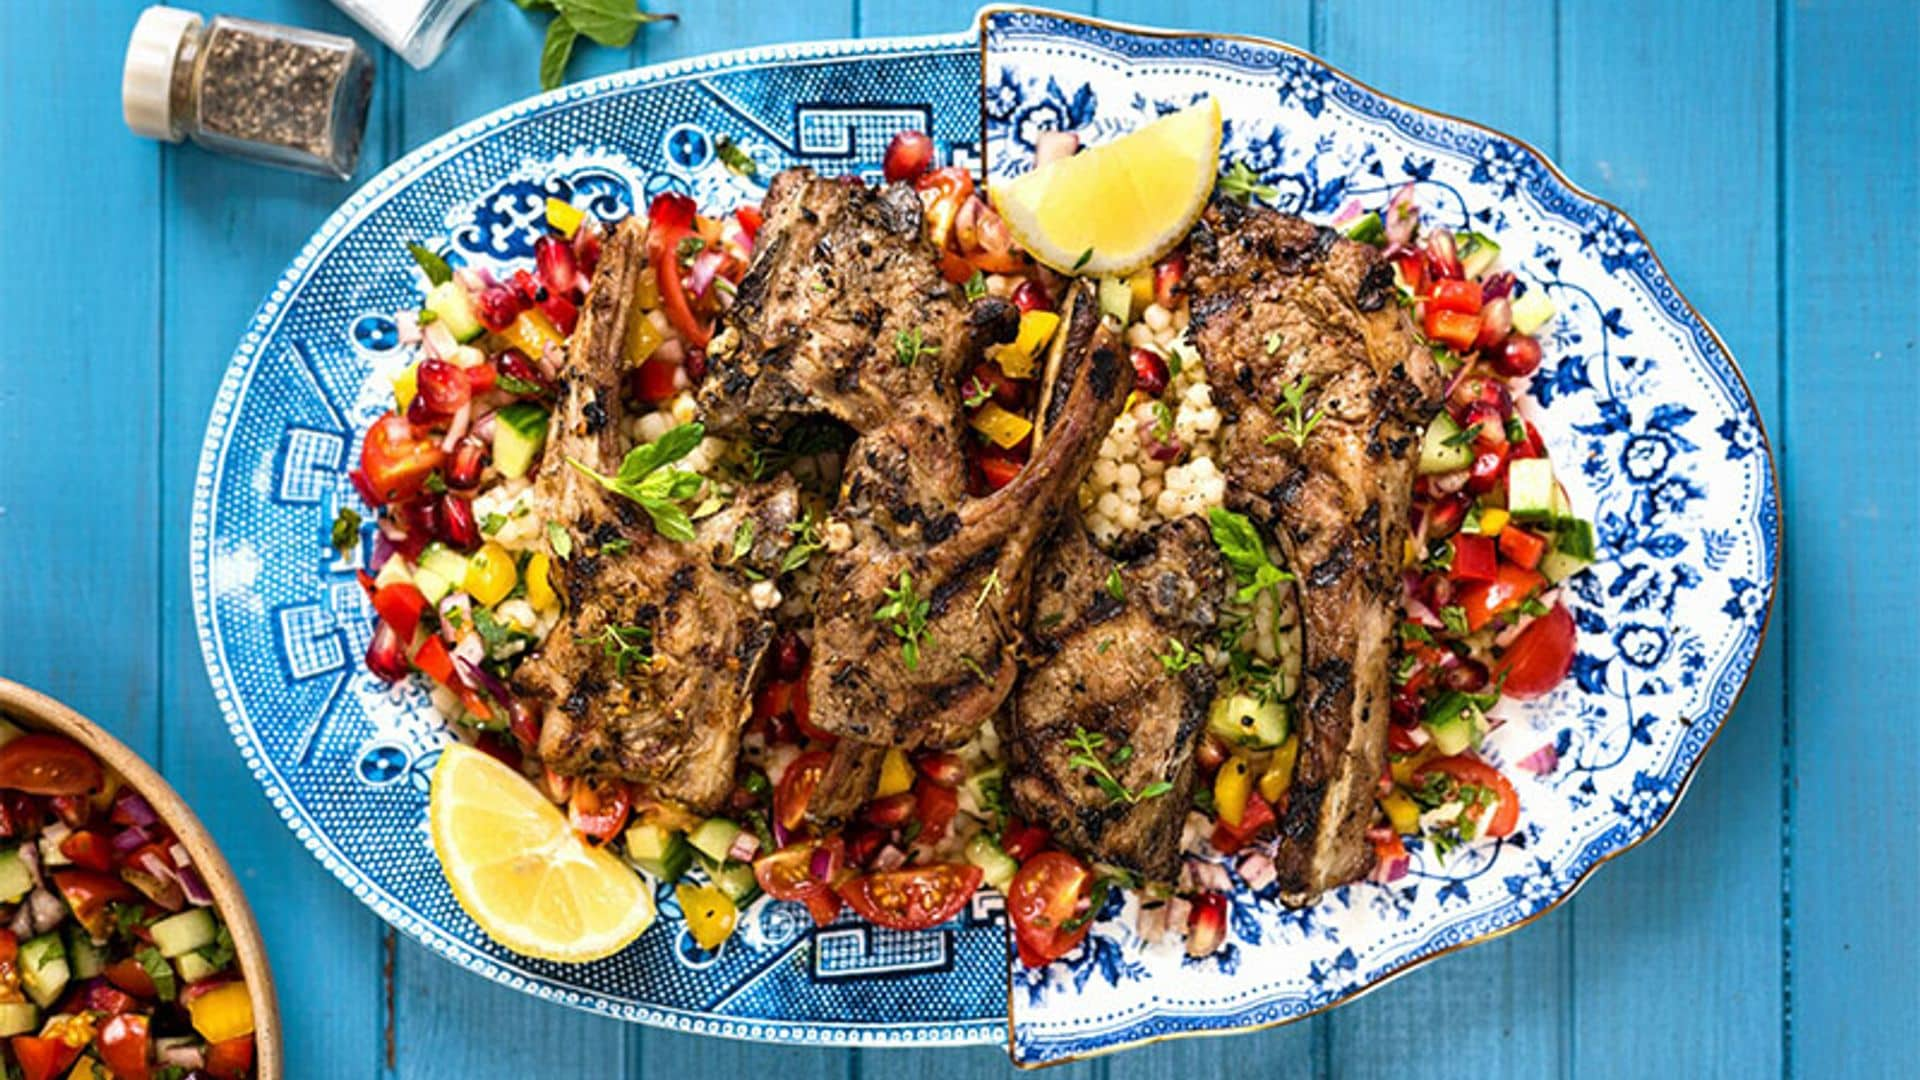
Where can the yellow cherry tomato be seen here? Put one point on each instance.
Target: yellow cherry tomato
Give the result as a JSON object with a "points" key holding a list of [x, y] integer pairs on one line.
{"points": [[222, 1013], [710, 914], [490, 574], [540, 583]]}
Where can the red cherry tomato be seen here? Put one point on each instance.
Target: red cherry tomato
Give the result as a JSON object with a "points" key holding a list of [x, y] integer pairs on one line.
{"points": [[1511, 585], [1540, 657], [1254, 820], [788, 874], [129, 975], [42, 1059], [913, 897], [937, 804], [1460, 296], [598, 808], [657, 378], [231, 1060], [396, 462], [908, 156], [790, 798], [123, 1047], [88, 892], [1049, 891], [48, 765], [671, 220], [1467, 769]]}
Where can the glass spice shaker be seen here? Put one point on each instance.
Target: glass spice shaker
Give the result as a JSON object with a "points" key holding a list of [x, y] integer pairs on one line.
{"points": [[274, 94], [416, 29]]}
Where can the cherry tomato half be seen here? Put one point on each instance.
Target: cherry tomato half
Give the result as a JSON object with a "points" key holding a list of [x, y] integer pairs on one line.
{"points": [[124, 1042], [131, 976], [42, 1059], [598, 808], [788, 874], [396, 462], [790, 798], [936, 805], [49, 765], [232, 1059], [88, 892], [1540, 657], [1467, 769], [913, 897], [1510, 586], [1047, 893]]}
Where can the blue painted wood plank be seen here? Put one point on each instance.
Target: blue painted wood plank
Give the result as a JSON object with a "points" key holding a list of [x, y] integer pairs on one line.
{"points": [[1853, 407], [1683, 137], [1524, 977], [83, 600], [230, 228]]}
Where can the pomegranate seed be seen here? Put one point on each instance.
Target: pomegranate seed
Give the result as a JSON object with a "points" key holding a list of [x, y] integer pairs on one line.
{"points": [[1407, 709], [443, 387], [1489, 468], [524, 722], [1519, 358], [1477, 391], [1497, 286], [496, 307], [1496, 322], [908, 156], [1211, 753], [1468, 677], [863, 843], [947, 770], [527, 289], [469, 461], [1030, 295], [1206, 924], [457, 526], [1166, 277], [789, 657], [421, 414], [1442, 260], [513, 364], [1400, 735], [553, 257], [1493, 426], [386, 654], [696, 364], [586, 250], [890, 812], [1149, 372], [1446, 517], [561, 311]]}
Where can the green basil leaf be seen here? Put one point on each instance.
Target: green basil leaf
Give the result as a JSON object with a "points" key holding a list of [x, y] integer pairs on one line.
{"points": [[430, 263], [606, 22], [556, 51]]}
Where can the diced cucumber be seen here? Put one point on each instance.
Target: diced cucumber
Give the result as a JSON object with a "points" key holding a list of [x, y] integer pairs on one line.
{"points": [[394, 571], [1454, 723], [49, 844], [86, 958], [1558, 566], [1116, 299], [177, 935], [997, 865], [1367, 228], [8, 731], [714, 837], [518, 435], [1436, 455], [984, 788], [1245, 720], [16, 880], [1572, 552], [1532, 311], [43, 968], [658, 851], [1530, 489], [18, 1018], [193, 967], [431, 585], [735, 879], [1562, 506], [444, 561], [451, 308], [1476, 252]]}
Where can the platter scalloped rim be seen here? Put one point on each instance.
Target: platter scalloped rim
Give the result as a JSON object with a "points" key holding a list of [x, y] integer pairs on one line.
{"points": [[342, 759]]}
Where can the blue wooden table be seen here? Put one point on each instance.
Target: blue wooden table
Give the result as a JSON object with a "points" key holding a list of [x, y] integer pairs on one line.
{"points": [[1771, 151]]}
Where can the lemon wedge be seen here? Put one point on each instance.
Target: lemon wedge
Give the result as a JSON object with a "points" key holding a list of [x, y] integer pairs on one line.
{"points": [[519, 871], [1114, 208]]}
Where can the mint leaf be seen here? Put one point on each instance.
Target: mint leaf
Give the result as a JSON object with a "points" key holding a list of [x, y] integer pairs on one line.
{"points": [[644, 478], [605, 22], [430, 263], [556, 51]]}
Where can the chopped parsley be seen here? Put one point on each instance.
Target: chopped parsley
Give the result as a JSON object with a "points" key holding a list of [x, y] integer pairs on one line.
{"points": [[519, 387], [977, 392], [973, 665], [345, 533], [1295, 422], [1455, 618], [907, 611], [492, 523], [742, 539], [1274, 342], [988, 588], [497, 635], [159, 970], [1245, 550], [435, 483], [734, 158], [976, 286], [1116, 587], [559, 539], [619, 545], [1089, 752], [806, 541], [1240, 182], [1085, 257], [1178, 657], [1463, 437], [910, 345], [1162, 420], [645, 479], [688, 247]]}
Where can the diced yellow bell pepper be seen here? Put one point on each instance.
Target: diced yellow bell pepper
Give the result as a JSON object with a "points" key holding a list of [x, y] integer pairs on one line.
{"points": [[88, 1069], [1402, 814], [1016, 364], [540, 583], [564, 216], [531, 332], [490, 574], [642, 339], [405, 386], [1036, 329], [1492, 521], [709, 913], [222, 1013], [896, 775], [646, 290], [1142, 285], [1230, 789], [1402, 769], [1004, 428], [1279, 775], [74, 1029]]}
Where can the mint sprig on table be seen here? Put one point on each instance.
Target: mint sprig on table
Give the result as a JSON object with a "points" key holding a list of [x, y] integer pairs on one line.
{"points": [[604, 22]]}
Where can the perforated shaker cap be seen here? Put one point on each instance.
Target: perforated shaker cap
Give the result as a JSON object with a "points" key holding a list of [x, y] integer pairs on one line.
{"points": [[146, 83]]}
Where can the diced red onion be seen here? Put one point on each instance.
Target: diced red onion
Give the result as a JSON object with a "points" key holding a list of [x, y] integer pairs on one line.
{"points": [[129, 840], [157, 867], [478, 676], [383, 548], [551, 359], [888, 858], [744, 847], [457, 428], [781, 836], [48, 909], [1402, 217], [471, 650], [1347, 213], [180, 1053], [54, 834], [22, 924], [30, 855], [1495, 286], [966, 224], [195, 887], [1467, 369], [1419, 612], [456, 610], [1257, 870], [472, 279], [700, 275], [820, 866], [1388, 871], [1541, 762], [1051, 146], [437, 341], [670, 352], [1207, 874], [482, 426], [1151, 924], [1179, 911], [1448, 483], [407, 323]]}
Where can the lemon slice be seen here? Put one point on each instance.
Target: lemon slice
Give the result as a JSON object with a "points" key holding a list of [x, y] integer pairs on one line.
{"points": [[1113, 209], [519, 871]]}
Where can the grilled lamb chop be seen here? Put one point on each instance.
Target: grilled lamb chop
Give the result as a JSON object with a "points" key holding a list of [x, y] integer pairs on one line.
{"points": [[649, 676], [1278, 302], [1094, 664], [968, 560]]}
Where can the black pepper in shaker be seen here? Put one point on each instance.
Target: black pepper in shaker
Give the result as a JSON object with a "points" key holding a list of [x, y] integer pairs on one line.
{"points": [[274, 94]]}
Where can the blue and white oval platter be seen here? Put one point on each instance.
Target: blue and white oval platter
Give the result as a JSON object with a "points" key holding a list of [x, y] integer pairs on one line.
{"points": [[1643, 407]]}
